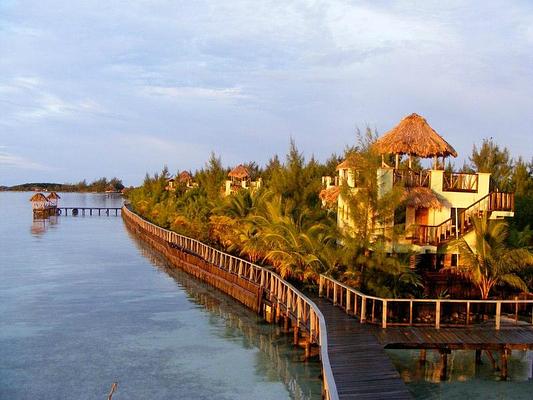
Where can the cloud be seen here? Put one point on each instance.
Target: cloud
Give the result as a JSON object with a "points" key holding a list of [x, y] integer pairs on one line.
{"points": [[205, 93], [27, 97], [8, 159]]}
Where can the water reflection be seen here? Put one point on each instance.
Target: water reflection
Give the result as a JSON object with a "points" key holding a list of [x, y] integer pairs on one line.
{"points": [[464, 378], [277, 359], [39, 226]]}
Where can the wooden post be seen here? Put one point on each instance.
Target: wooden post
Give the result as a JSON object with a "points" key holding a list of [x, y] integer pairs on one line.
{"points": [[384, 315], [295, 330], [422, 357], [443, 364], [348, 301], [504, 356], [478, 356], [363, 310], [468, 313], [437, 314], [334, 293], [320, 286], [498, 314], [516, 310], [411, 313]]}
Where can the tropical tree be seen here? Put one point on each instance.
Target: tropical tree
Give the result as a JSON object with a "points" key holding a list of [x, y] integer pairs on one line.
{"points": [[488, 262]]}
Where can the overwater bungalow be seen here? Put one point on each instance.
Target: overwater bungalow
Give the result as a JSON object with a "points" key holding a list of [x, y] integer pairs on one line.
{"points": [[39, 201], [53, 199], [43, 206], [240, 179], [439, 205]]}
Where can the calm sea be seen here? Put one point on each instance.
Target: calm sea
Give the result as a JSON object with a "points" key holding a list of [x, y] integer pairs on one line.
{"points": [[84, 304]]}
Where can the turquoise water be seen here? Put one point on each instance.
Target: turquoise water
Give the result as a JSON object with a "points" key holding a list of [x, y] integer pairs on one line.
{"points": [[84, 304]]}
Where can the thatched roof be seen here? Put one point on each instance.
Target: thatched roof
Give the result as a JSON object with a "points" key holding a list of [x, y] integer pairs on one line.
{"points": [[353, 161], [184, 176], [239, 172], [53, 196], [422, 197], [414, 136], [330, 195], [38, 197]]}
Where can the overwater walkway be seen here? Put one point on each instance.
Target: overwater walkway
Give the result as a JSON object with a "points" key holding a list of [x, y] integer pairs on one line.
{"points": [[361, 368]]}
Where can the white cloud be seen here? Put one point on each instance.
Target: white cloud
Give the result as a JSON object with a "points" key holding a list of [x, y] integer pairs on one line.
{"points": [[8, 159], [190, 92]]}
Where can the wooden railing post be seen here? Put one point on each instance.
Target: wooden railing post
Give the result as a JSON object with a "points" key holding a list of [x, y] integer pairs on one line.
{"points": [[384, 315], [334, 294], [320, 286], [498, 314], [363, 310], [437, 314]]}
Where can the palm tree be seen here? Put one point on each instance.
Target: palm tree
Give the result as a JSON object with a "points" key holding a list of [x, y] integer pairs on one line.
{"points": [[488, 261]]}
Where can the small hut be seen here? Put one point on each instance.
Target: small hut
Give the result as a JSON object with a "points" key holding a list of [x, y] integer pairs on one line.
{"points": [[185, 178], [171, 184], [239, 178], [39, 201], [413, 136], [239, 174], [53, 199]]}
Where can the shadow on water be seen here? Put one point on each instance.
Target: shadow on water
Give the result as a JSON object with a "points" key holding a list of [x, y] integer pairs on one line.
{"points": [[277, 359]]}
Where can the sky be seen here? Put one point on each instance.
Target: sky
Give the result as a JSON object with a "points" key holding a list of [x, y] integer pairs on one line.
{"points": [[121, 88]]}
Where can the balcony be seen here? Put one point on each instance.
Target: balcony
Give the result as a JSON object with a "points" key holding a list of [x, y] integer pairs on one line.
{"points": [[411, 178], [460, 182]]}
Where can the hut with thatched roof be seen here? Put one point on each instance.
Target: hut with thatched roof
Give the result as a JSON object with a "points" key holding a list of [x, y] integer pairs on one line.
{"points": [[185, 178], [240, 178], [38, 201], [53, 199], [413, 136]]}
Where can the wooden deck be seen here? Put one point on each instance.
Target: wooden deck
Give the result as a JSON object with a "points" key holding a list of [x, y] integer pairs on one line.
{"points": [[473, 338], [361, 368]]}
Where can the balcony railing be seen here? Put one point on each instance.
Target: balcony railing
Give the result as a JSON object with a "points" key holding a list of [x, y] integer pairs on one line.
{"points": [[459, 182], [411, 178], [457, 226]]}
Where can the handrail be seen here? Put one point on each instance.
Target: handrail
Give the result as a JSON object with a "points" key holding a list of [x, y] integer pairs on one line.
{"points": [[356, 303], [434, 234], [307, 313]]}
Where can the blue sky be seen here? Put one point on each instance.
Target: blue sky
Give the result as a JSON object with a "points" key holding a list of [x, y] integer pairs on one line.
{"points": [[104, 88]]}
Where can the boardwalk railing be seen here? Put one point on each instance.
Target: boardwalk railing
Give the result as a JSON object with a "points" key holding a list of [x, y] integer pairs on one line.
{"points": [[424, 312], [277, 291]]}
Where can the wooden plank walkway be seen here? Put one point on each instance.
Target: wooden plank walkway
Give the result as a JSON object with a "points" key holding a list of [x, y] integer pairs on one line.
{"points": [[361, 368], [471, 338]]}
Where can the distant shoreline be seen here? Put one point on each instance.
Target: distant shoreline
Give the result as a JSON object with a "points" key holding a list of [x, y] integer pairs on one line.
{"points": [[100, 186]]}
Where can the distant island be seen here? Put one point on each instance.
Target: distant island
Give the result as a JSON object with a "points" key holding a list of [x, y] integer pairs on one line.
{"points": [[102, 185]]}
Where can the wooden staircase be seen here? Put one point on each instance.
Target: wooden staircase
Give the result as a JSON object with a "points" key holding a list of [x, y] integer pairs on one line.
{"points": [[462, 223]]}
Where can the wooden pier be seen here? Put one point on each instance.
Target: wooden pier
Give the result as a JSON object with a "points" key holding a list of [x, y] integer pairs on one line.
{"points": [[360, 366], [398, 328], [88, 211]]}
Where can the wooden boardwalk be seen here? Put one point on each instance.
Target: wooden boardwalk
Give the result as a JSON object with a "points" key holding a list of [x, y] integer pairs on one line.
{"points": [[473, 338], [361, 368]]}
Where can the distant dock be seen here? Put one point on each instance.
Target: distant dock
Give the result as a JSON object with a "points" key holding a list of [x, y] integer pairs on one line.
{"points": [[47, 206]]}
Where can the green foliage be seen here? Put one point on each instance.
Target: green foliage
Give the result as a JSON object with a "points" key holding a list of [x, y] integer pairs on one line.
{"points": [[491, 158], [490, 262]]}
